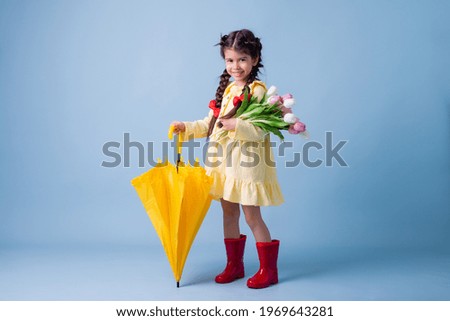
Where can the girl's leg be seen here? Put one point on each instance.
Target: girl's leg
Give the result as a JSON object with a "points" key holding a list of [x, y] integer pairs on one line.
{"points": [[266, 247], [234, 244], [231, 215], [256, 223]]}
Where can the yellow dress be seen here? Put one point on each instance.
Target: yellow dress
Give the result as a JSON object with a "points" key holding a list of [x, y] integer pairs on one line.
{"points": [[240, 161]]}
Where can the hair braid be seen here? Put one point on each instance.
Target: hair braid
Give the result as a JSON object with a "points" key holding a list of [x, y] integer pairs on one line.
{"points": [[224, 80], [223, 83]]}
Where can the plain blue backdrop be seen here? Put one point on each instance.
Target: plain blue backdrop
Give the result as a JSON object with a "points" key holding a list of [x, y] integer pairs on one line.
{"points": [[75, 75]]}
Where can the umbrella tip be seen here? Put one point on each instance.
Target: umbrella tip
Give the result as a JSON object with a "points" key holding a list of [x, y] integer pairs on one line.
{"points": [[178, 284]]}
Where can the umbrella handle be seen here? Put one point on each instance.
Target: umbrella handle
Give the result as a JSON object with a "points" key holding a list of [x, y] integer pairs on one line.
{"points": [[178, 143]]}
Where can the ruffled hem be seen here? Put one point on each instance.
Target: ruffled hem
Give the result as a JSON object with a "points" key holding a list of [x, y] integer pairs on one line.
{"points": [[245, 192]]}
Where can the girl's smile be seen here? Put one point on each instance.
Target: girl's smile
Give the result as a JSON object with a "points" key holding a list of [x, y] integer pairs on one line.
{"points": [[239, 65]]}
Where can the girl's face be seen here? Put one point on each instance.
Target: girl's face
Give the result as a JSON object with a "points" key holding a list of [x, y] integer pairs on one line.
{"points": [[239, 65]]}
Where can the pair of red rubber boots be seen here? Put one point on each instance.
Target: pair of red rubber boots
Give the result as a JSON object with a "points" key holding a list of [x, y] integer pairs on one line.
{"points": [[268, 257]]}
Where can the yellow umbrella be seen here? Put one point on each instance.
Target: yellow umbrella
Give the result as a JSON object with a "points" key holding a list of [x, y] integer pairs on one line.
{"points": [[176, 199]]}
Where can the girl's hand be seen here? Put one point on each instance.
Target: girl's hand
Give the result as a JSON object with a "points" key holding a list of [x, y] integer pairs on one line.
{"points": [[178, 127], [228, 124]]}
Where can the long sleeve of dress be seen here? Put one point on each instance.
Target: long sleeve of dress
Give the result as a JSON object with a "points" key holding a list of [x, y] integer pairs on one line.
{"points": [[198, 128]]}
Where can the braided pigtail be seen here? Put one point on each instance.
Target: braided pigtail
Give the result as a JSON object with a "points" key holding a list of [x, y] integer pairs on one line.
{"points": [[223, 83]]}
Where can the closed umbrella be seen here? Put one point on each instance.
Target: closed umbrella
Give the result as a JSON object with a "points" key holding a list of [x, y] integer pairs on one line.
{"points": [[176, 199]]}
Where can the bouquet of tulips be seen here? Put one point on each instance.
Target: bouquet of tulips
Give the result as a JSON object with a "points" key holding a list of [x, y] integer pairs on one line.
{"points": [[272, 114]]}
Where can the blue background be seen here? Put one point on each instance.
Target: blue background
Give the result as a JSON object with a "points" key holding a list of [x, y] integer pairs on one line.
{"points": [[77, 74]]}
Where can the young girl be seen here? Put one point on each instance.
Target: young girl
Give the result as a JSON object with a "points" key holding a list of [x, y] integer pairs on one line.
{"points": [[239, 160]]}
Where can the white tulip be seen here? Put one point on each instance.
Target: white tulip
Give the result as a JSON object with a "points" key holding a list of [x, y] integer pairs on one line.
{"points": [[272, 91], [289, 102], [290, 118]]}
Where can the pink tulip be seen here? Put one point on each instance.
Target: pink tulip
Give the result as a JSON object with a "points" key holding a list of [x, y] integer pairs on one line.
{"points": [[287, 96], [292, 130], [274, 99], [299, 126], [285, 110]]}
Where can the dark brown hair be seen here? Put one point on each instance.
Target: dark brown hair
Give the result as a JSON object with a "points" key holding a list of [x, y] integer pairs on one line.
{"points": [[242, 41]]}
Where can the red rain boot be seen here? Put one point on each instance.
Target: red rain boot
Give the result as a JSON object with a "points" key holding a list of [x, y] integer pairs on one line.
{"points": [[268, 271], [235, 264]]}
